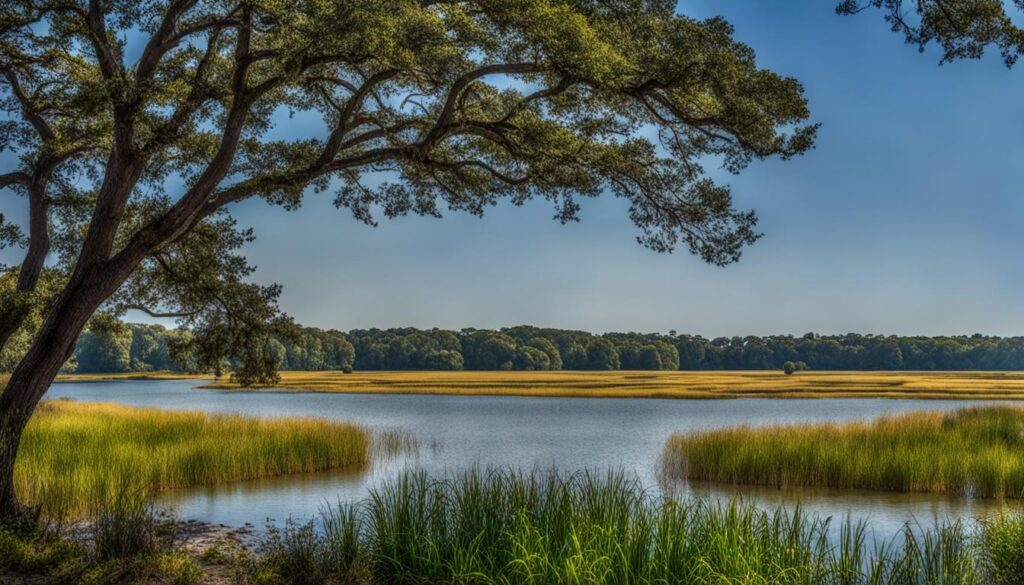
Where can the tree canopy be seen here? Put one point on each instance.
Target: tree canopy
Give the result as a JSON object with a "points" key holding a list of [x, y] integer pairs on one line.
{"points": [[964, 29]]}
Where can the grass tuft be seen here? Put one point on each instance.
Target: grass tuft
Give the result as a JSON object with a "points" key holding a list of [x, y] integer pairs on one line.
{"points": [[124, 526]]}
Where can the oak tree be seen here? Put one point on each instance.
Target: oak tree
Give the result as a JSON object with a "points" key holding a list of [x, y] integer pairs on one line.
{"points": [[135, 126]]}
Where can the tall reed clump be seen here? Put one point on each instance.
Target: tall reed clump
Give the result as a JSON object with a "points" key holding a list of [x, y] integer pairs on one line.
{"points": [[973, 451], [299, 554], [542, 527], [76, 454], [125, 525]]}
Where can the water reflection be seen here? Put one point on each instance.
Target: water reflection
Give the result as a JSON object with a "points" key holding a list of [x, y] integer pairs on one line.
{"points": [[886, 514]]}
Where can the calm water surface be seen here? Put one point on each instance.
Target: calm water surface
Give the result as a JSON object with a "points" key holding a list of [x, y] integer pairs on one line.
{"points": [[457, 432]]}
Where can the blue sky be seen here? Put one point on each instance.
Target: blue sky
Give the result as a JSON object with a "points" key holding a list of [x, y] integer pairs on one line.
{"points": [[907, 218]]}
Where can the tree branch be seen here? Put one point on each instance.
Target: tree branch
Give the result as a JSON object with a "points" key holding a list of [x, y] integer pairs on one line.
{"points": [[170, 271], [109, 64], [198, 93], [949, 16], [328, 164], [561, 87], [448, 111], [504, 178], [159, 43], [28, 111], [161, 315], [334, 141], [15, 178], [180, 215]]}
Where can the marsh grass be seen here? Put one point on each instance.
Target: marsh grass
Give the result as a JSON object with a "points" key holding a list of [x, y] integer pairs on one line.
{"points": [[541, 527], [666, 384], [74, 455], [973, 451], [153, 375]]}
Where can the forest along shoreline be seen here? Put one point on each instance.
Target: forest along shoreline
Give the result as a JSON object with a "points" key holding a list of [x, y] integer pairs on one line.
{"points": [[140, 348]]}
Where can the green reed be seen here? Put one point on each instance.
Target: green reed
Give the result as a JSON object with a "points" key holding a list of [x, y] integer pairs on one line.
{"points": [[542, 527]]}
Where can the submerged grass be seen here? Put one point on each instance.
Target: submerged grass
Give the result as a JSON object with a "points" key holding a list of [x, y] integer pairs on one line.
{"points": [[973, 451], [538, 528], [665, 384], [75, 454]]}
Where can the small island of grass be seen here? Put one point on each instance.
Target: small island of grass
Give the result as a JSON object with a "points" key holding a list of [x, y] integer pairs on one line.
{"points": [[75, 454], [660, 384], [973, 451]]}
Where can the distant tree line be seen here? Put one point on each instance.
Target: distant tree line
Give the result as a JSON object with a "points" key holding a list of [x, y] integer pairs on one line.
{"points": [[130, 347], [124, 347]]}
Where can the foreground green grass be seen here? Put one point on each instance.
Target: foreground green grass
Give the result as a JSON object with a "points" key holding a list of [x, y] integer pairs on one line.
{"points": [[540, 528], [523, 528], [76, 454], [974, 451]]}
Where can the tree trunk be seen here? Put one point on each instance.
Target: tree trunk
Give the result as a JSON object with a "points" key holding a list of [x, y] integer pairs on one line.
{"points": [[96, 276], [36, 371], [11, 426]]}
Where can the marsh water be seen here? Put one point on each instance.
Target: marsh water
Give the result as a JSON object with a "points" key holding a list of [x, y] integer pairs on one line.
{"points": [[455, 433]]}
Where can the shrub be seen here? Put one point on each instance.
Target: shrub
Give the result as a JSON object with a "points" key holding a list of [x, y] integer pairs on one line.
{"points": [[177, 568], [296, 554], [35, 552]]}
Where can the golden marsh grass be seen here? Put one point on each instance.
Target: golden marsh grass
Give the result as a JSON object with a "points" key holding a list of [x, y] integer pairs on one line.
{"points": [[161, 375], [974, 451], [665, 384], [75, 454]]}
